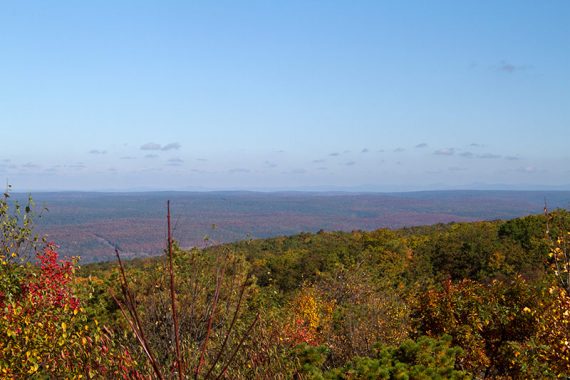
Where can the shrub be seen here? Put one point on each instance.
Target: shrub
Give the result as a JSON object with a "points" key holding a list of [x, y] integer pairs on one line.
{"points": [[44, 331]]}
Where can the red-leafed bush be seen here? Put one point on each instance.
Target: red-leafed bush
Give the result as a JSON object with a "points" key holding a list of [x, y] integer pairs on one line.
{"points": [[43, 329]]}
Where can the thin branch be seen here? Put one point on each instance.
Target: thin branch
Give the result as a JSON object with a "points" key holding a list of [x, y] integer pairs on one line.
{"points": [[173, 297], [247, 333], [238, 307], [209, 328], [135, 322], [137, 333]]}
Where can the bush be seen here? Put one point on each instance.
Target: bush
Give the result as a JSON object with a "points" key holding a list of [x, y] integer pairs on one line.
{"points": [[43, 329]]}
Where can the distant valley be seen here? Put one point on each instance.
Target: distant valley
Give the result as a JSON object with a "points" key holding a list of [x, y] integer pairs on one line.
{"points": [[90, 225]]}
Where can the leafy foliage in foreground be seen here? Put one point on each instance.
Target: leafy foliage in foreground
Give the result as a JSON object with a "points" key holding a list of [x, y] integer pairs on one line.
{"points": [[44, 330], [426, 358], [507, 328]]}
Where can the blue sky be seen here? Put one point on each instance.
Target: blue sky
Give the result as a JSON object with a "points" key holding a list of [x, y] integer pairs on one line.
{"points": [[400, 95]]}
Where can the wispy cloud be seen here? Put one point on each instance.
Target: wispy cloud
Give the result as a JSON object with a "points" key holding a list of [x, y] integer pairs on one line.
{"points": [[151, 146], [399, 150], [171, 146], [512, 158], [445, 152], [484, 156], [76, 166], [297, 171], [151, 170], [456, 169], [510, 68], [334, 154], [151, 156], [476, 145], [350, 163], [421, 145], [155, 146], [97, 151], [528, 169], [128, 158], [319, 161], [238, 170], [270, 164], [489, 156], [175, 161], [365, 150]]}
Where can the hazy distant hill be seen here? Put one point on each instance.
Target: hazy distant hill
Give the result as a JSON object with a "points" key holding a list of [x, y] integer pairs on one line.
{"points": [[91, 224]]}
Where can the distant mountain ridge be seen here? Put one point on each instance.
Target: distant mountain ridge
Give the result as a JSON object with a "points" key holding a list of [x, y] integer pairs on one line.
{"points": [[89, 224]]}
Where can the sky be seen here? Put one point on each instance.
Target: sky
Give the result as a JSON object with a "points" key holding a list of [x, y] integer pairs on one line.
{"points": [[284, 95]]}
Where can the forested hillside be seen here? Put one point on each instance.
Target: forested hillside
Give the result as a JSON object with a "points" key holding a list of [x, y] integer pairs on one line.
{"points": [[448, 301]]}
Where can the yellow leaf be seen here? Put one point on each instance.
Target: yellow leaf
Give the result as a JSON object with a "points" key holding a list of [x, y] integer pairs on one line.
{"points": [[63, 326], [33, 368]]}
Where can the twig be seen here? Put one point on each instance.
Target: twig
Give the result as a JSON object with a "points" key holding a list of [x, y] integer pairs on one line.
{"points": [[238, 347], [139, 337], [173, 297], [135, 322], [220, 352], [209, 328]]}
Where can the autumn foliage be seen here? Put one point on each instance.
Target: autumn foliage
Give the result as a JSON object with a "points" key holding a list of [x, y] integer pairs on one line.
{"points": [[44, 330], [486, 300]]}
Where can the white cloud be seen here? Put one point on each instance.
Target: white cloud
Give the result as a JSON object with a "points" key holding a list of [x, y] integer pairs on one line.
{"points": [[151, 146], [491, 156], [171, 146], [445, 152]]}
